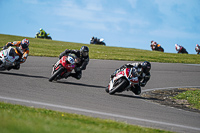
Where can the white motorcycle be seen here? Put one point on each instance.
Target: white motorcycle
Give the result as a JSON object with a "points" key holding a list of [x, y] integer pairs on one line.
{"points": [[124, 80], [8, 58]]}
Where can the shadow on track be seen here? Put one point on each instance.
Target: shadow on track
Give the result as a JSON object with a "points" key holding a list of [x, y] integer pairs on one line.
{"points": [[24, 75], [138, 97], [81, 84]]}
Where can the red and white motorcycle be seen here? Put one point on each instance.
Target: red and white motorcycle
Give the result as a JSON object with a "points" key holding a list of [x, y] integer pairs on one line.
{"points": [[126, 79], [8, 58], [63, 68]]}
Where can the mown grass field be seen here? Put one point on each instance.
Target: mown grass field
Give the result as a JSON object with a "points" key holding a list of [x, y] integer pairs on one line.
{"points": [[51, 48], [22, 119]]}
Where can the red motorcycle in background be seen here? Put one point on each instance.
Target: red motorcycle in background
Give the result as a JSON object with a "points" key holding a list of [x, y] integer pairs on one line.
{"points": [[124, 80], [63, 68]]}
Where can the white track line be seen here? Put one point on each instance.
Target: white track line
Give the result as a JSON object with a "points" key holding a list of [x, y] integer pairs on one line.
{"points": [[99, 113]]}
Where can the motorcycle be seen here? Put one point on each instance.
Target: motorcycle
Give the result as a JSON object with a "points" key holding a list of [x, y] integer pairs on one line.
{"points": [[97, 41], [8, 58], [124, 80], [197, 49], [63, 68], [182, 50], [157, 48], [47, 36]]}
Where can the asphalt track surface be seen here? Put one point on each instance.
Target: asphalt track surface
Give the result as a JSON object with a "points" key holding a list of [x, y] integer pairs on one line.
{"points": [[30, 86]]}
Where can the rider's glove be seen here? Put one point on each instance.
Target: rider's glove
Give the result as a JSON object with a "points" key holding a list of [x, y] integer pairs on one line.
{"points": [[142, 84], [22, 60], [139, 66], [77, 69], [4, 47]]}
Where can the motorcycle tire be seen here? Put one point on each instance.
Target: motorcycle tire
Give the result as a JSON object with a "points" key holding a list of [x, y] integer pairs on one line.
{"points": [[54, 75], [119, 87]]}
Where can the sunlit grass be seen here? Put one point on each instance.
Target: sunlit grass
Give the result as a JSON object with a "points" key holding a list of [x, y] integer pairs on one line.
{"points": [[51, 48], [192, 96], [22, 119]]}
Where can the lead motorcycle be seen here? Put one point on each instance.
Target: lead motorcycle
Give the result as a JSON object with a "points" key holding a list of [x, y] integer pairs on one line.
{"points": [[8, 58], [63, 67], [47, 36], [124, 80]]}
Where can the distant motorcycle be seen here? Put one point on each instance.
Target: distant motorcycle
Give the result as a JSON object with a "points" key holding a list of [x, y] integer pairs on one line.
{"points": [[63, 68], [182, 50], [123, 80], [197, 49], [95, 40], [8, 58], [47, 36], [157, 48]]}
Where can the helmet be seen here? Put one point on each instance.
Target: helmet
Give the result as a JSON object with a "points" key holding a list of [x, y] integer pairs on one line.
{"points": [[41, 29], [25, 43], [84, 50], [197, 48], [146, 66]]}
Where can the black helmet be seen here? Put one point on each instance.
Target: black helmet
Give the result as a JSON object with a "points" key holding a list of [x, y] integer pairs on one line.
{"points": [[84, 50], [146, 66]]}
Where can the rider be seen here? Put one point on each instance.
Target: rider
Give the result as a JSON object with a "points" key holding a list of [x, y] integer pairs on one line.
{"points": [[143, 70], [197, 48], [21, 49], [155, 46], [83, 57], [42, 33], [180, 49], [93, 40]]}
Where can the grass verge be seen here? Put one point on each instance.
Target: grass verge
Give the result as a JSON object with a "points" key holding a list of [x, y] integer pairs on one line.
{"points": [[22, 119], [51, 48], [192, 96]]}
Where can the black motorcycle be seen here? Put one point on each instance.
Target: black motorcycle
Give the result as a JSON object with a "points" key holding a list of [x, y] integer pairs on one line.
{"points": [[97, 41]]}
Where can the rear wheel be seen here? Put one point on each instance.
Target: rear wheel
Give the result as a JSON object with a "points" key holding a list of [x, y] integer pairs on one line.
{"points": [[120, 86], [54, 75]]}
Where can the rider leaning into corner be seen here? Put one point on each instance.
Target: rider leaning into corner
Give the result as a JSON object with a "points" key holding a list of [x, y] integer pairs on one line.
{"points": [[197, 48], [42, 33], [21, 49], [83, 57], [143, 70]]}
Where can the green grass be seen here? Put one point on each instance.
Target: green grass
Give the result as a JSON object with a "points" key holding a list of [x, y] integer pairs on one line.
{"points": [[22, 119], [192, 96], [51, 48]]}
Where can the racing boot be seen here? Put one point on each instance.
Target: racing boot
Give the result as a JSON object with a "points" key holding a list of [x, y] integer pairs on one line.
{"points": [[17, 66], [136, 90]]}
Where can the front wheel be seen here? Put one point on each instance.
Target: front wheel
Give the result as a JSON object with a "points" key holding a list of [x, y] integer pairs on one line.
{"points": [[54, 75], [123, 84]]}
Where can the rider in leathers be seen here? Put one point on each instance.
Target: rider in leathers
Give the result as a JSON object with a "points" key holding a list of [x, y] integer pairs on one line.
{"points": [[21, 50], [83, 57], [197, 48], [143, 70]]}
